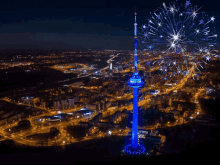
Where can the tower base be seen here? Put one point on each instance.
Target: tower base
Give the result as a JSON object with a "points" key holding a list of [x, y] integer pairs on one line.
{"points": [[128, 150]]}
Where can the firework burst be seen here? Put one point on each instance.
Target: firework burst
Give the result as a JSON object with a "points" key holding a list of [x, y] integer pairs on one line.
{"points": [[183, 35]]}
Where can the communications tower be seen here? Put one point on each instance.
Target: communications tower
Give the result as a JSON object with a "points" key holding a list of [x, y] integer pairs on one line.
{"points": [[135, 82]]}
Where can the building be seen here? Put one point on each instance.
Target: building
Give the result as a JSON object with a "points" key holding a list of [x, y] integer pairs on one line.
{"points": [[176, 113], [107, 104], [43, 104], [52, 118], [101, 106], [91, 106], [107, 124], [141, 133], [26, 100], [56, 105], [85, 113], [115, 115], [76, 98], [64, 104], [84, 124], [186, 114], [96, 119], [70, 103], [77, 84]]}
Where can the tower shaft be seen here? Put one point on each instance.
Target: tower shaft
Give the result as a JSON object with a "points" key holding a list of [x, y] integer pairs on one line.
{"points": [[135, 120], [135, 82]]}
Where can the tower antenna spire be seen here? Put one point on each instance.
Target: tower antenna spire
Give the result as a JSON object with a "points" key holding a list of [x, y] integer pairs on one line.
{"points": [[135, 41]]}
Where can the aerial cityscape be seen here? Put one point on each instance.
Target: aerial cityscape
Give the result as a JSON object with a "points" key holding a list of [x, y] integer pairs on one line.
{"points": [[145, 92]]}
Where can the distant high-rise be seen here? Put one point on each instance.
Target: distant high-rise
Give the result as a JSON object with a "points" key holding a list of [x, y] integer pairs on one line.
{"points": [[71, 103], [56, 105], [64, 104], [111, 66]]}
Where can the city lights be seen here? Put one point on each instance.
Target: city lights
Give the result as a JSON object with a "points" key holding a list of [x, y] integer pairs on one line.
{"points": [[165, 89]]}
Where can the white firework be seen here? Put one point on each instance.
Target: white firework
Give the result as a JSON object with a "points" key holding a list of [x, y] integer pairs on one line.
{"points": [[183, 35]]}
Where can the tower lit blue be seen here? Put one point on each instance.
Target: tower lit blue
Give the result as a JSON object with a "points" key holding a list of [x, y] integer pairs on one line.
{"points": [[135, 82]]}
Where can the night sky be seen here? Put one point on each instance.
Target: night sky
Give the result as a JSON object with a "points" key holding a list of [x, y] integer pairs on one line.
{"points": [[79, 24]]}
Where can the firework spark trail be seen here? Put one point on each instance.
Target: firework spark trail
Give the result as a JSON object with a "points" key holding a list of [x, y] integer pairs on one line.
{"points": [[179, 31]]}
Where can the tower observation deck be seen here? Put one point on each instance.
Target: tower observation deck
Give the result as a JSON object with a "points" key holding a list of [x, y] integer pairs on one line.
{"points": [[135, 82]]}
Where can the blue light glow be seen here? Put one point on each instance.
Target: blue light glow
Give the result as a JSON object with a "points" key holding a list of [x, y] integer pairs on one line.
{"points": [[135, 82], [135, 120], [137, 151]]}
